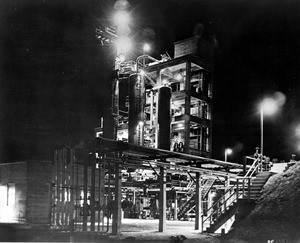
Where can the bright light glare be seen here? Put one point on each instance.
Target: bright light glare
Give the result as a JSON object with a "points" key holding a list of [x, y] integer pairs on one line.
{"points": [[180, 125], [142, 72], [146, 47], [121, 18], [298, 131], [179, 77], [120, 58], [269, 106], [228, 151], [165, 82], [280, 98], [123, 44]]}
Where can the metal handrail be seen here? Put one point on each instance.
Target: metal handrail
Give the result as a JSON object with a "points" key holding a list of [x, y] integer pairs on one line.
{"points": [[144, 56], [210, 183], [234, 192], [256, 165]]}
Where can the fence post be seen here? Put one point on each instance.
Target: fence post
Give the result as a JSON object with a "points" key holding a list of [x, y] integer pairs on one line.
{"points": [[72, 223], [249, 188], [261, 163], [243, 181], [237, 189]]}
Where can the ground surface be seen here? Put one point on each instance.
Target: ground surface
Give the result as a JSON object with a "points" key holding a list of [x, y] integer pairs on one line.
{"points": [[133, 230], [147, 230]]}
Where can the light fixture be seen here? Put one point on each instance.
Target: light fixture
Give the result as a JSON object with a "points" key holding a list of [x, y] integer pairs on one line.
{"points": [[228, 151], [269, 106], [121, 18], [146, 48]]}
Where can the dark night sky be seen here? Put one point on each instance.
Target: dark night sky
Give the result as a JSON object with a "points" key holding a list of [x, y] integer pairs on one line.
{"points": [[54, 72]]}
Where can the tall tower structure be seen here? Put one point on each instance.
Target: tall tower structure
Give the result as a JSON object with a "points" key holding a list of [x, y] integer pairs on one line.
{"points": [[167, 103]]}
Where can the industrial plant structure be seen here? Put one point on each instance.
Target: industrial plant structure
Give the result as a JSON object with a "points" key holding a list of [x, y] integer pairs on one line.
{"points": [[151, 156], [150, 159]]}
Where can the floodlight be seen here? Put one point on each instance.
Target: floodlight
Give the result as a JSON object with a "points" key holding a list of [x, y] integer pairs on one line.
{"points": [[146, 48], [121, 18]]}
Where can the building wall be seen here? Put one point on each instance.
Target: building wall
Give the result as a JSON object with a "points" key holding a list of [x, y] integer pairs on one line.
{"points": [[39, 175], [25, 192], [13, 191]]}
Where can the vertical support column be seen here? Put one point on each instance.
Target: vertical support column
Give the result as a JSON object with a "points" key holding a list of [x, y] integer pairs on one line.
{"points": [[72, 184], [151, 108], [145, 203], [198, 219], [85, 189], [209, 202], [93, 187], [133, 201], [58, 185], [187, 110], [77, 192], [244, 165], [116, 223], [175, 206], [101, 194], [162, 200], [63, 188]]}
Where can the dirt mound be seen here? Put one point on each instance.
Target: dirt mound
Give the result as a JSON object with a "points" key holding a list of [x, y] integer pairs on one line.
{"points": [[277, 213]]}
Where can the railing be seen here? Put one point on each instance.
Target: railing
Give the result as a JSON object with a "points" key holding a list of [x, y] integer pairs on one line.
{"points": [[254, 168], [239, 191], [145, 61], [190, 204]]}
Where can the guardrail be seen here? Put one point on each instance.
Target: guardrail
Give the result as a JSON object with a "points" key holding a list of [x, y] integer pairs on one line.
{"points": [[241, 190]]}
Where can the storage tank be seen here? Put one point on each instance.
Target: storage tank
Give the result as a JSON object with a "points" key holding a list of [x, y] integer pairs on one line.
{"points": [[136, 109], [164, 118]]}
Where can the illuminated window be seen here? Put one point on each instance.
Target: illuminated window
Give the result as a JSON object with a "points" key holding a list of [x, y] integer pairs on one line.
{"points": [[11, 194], [8, 194]]}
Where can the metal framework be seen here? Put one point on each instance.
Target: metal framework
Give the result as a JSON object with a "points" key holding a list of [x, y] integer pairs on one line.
{"points": [[87, 182]]}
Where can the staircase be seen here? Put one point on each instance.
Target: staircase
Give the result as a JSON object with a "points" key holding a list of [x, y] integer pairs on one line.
{"points": [[251, 194], [246, 190], [189, 205], [257, 184]]}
